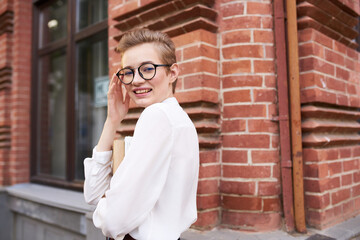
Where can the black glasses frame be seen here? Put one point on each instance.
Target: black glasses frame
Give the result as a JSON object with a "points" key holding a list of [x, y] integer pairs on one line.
{"points": [[141, 75]]}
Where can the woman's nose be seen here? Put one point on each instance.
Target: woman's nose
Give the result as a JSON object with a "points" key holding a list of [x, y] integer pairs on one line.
{"points": [[137, 78]]}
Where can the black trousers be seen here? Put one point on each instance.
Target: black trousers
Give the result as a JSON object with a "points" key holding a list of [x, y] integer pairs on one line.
{"points": [[127, 237]]}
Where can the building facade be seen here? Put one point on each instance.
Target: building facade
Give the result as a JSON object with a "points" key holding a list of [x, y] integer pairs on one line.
{"points": [[272, 86]]}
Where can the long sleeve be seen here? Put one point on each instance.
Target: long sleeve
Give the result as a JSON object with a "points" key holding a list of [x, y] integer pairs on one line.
{"points": [[140, 178], [97, 175]]}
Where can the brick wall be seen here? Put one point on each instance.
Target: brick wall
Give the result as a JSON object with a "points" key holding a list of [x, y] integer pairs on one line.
{"points": [[15, 76], [250, 182], [330, 96], [6, 39]]}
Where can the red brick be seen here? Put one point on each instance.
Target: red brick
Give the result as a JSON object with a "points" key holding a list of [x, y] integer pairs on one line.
{"points": [[241, 66], [311, 63], [263, 66], [233, 125], [262, 125], [334, 84], [350, 165], [316, 170], [198, 65], [237, 96], [334, 57], [234, 156], [265, 156], [269, 52], [340, 195], [253, 221], [311, 48], [317, 201], [243, 51], [208, 201], [348, 209], [259, 8], [200, 51], [346, 179], [265, 95], [342, 73], [207, 219], [244, 111], [206, 95], [350, 88], [312, 79], [208, 186], [246, 141], [201, 80], [269, 188], [334, 168], [209, 171], [271, 205], [355, 190], [240, 36], [242, 22], [231, 171], [275, 141], [322, 39], [263, 36], [232, 9], [355, 151], [356, 177], [241, 203], [232, 187], [267, 23], [270, 82], [242, 81], [317, 95], [322, 184], [195, 36]]}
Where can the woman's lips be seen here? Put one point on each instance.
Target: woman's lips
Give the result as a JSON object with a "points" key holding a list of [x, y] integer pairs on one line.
{"points": [[142, 91]]}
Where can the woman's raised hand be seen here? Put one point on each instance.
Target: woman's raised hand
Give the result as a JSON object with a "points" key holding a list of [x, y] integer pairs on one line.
{"points": [[118, 105], [117, 108]]}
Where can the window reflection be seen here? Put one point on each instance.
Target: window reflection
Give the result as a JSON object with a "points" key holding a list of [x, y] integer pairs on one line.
{"points": [[90, 12], [53, 114], [93, 81], [53, 22]]}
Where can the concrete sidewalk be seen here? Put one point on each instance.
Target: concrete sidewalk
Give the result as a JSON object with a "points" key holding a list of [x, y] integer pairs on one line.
{"points": [[348, 230]]}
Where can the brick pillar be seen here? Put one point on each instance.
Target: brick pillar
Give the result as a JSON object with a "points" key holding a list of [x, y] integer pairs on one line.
{"points": [[250, 183], [6, 39], [330, 96], [19, 166], [192, 25]]}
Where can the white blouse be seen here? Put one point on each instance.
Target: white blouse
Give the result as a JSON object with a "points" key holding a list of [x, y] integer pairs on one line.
{"points": [[152, 195]]}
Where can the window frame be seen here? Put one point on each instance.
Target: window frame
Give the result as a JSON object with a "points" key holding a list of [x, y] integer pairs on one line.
{"points": [[69, 43]]}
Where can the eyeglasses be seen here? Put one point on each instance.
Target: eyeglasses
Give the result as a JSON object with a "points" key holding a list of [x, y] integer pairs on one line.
{"points": [[147, 71]]}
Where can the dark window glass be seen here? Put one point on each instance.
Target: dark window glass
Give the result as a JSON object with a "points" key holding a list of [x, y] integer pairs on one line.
{"points": [[70, 79], [90, 12], [93, 81], [53, 22], [52, 99]]}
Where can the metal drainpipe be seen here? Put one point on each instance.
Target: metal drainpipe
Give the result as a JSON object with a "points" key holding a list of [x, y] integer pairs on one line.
{"points": [[283, 103], [295, 110]]}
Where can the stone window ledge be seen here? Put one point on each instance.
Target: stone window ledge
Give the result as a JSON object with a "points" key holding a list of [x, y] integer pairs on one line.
{"points": [[51, 196]]}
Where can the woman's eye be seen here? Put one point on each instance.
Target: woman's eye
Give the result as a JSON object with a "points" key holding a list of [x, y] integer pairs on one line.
{"points": [[147, 69]]}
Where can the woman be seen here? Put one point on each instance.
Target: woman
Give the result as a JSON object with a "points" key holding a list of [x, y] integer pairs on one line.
{"points": [[152, 195]]}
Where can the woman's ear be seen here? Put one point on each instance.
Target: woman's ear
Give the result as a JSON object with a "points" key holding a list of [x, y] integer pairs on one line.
{"points": [[174, 72]]}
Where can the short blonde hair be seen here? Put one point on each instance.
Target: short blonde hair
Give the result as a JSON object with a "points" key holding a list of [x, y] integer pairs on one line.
{"points": [[164, 45]]}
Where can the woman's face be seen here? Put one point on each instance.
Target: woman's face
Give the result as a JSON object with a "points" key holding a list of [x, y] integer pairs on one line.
{"points": [[147, 92]]}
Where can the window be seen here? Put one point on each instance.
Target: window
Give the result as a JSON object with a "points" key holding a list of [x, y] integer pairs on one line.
{"points": [[70, 79]]}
